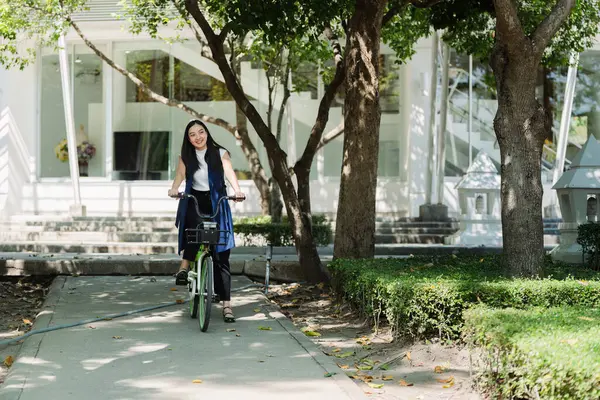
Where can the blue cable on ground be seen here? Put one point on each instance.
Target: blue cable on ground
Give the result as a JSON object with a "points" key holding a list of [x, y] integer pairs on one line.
{"points": [[107, 318]]}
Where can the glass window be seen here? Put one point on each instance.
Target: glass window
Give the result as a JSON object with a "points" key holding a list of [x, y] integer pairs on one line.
{"points": [[187, 83], [389, 99], [148, 134], [88, 112], [52, 129]]}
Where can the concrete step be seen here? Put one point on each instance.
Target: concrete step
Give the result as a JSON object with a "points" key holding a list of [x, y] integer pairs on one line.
{"points": [[415, 224], [95, 226], [87, 237], [416, 230], [89, 247], [410, 238]]}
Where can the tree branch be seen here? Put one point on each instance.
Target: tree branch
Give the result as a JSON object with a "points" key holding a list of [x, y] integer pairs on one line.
{"points": [[551, 24], [508, 25], [185, 15], [331, 135], [155, 96], [323, 113], [284, 100], [225, 31], [273, 149]]}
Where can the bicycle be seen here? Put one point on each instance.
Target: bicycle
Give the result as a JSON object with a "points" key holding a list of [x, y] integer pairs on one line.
{"points": [[201, 283]]}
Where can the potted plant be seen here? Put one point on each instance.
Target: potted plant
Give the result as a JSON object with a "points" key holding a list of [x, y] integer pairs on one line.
{"points": [[85, 152]]}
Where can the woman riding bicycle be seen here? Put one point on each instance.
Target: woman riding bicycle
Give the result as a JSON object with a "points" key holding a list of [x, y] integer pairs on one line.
{"points": [[204, 165]]}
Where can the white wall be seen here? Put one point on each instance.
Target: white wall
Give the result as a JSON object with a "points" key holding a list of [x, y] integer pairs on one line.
{"points": [[18, 124]]}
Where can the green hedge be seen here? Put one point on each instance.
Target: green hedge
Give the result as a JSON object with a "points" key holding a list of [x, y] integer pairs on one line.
{"points": [[537, 353], [253, 229], [426, 297], [588, 236]]}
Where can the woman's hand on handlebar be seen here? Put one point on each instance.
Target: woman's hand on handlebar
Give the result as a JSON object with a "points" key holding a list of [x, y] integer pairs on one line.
{"points": [[173, 193], [239, 196]]}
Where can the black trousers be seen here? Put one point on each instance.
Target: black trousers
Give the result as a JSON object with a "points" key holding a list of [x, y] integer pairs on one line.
{"points": [[221, 267]]}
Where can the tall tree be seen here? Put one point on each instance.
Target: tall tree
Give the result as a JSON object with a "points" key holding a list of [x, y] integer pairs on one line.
{"points": [[213, 23], [516, 37], [401, 24]]}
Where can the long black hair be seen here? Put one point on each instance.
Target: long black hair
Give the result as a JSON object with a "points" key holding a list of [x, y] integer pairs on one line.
{"points": [[212, 157]]}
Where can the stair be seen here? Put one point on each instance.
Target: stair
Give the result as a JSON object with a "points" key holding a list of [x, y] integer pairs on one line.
{"points": [[411, 230], [146, 235]]}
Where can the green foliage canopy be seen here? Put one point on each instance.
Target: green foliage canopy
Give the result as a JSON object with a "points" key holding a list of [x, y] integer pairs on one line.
{"points": [[470, 26]]}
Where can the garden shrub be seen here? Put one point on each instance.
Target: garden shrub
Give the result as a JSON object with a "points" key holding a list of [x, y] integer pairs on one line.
{"points": [[588, 236], [260, 231], [426, 297], [537, 353]]}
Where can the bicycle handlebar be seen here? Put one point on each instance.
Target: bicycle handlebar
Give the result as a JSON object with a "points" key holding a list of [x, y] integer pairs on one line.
{"points": [[207, 216]]}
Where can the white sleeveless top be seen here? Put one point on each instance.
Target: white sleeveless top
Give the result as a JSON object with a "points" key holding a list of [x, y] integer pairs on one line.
{"points": [[200, 181]]}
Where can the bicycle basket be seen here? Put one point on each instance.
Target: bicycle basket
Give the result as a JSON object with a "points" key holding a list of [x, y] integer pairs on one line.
{"points": [[207, 233]]}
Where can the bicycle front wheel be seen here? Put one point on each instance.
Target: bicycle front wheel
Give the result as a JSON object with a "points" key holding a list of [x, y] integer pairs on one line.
{"points": [[205, 289], [193, 289]]}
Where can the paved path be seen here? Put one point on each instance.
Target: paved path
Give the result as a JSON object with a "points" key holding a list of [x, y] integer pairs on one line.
{"points": [[158, 354]]}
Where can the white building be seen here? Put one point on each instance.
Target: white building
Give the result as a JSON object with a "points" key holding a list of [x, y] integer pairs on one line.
{"points": [[126, 128]]}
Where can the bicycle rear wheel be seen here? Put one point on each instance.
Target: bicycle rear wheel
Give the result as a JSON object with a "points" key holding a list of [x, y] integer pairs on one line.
{"points": [[205, 288]]}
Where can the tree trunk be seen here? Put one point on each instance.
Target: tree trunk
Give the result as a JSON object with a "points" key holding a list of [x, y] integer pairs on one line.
{"points": [[548, 95], [520, 128], [355, 221], [256, 170]]}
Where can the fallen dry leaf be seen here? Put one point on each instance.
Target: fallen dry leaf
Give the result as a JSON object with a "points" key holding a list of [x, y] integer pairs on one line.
{"points": [[439, 369], [329, 374], [92, 327], [375, 385], [117, 337], [173, 289], [449, 385], [238, 335], [27, 322], [343, 366], [312, 333], [402, 382], [387, 378], [230, 329], [8, 361], [336, 350], [345, 355], [408, 356], [179, 301], [197, 381], [447, 380], [257, 310]]}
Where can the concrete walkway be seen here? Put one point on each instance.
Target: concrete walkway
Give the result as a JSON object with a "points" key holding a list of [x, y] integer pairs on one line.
{"points": [[158, 354]]}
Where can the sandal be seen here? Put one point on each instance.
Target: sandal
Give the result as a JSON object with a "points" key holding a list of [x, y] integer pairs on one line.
{"points": [[228, 315], [181, 279]]}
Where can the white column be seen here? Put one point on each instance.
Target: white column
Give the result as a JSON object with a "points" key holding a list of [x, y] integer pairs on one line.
{"points": [[441, 142], [565, 119], [77, 208], [470, 123], [107, 72], [432, 116]]}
